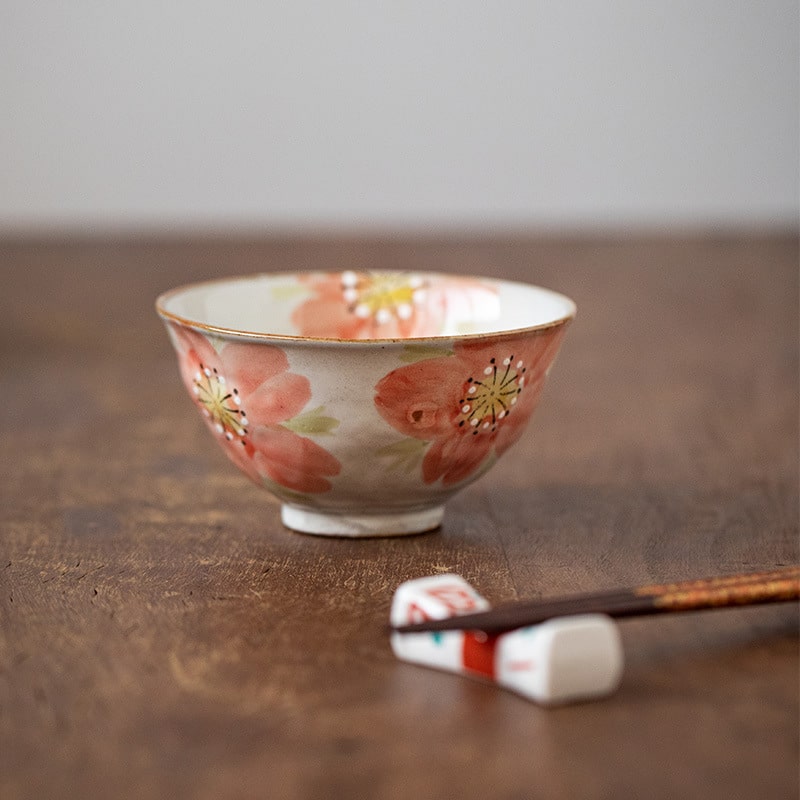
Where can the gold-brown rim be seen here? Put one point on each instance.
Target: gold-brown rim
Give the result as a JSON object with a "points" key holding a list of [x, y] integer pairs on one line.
{"points": [[235, 333]]}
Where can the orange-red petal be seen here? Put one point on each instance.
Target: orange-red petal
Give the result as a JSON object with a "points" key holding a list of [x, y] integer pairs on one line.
{"points": [[294, 461], [278, 399], [248, 366], [422, 399], [455, 458]]}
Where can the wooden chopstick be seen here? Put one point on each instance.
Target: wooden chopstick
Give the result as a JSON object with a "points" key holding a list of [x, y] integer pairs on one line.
{"points": [[772, 586]]}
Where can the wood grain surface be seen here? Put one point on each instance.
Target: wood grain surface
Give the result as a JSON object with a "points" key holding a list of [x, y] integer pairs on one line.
{"points": [[161, 635]]}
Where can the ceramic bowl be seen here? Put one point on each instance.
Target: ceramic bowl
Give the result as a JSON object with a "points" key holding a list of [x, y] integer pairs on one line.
{"points": [[364, 400]]}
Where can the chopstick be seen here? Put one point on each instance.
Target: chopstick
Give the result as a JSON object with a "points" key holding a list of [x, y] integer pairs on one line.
{"points": [[772, 586]]}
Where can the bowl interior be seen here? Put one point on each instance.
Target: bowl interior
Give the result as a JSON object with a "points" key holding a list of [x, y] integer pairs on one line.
{"points": [[363, 305]]}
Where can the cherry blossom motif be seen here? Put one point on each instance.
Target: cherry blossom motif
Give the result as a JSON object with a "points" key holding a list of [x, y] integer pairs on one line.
{"points": [[471, 403], [384, 305], [245, 392]]}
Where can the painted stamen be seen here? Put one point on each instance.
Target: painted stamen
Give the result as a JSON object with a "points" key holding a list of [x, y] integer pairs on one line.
{"points": [[491, 398], [220, 404], [382, 297]]}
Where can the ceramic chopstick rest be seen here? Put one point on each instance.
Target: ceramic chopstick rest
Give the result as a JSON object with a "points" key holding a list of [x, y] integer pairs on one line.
{"points": [[558, 661], [435, 597], [561, 660]]}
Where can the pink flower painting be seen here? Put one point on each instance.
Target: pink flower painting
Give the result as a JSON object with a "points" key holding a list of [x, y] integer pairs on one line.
{"points": [[470, 404], [386, 305], [246, 395]]}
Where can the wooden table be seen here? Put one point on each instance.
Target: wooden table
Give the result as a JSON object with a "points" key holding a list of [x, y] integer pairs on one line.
{"points": [[163, 636]]}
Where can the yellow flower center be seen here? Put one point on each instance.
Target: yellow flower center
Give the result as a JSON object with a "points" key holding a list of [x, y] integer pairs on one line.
{"points": [[490, 398], [381, 297], [220, 403]]}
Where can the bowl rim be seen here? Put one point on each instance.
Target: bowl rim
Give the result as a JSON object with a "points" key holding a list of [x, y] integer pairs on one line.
{"points": [[256, 336]]}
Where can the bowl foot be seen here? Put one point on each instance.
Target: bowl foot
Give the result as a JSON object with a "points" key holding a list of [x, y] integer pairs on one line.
{"points": [[361, 525]]}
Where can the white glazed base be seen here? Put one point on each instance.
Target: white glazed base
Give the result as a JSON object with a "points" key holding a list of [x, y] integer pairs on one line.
{"points": [[361, 525]]}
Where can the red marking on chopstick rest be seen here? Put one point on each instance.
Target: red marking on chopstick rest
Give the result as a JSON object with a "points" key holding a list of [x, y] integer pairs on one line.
{"points": [[520, 666], [477, 653], [416, 614], [455, 598]]}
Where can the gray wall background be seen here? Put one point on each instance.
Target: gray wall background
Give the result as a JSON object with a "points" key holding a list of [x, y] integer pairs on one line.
{"points": [[191, 114]]}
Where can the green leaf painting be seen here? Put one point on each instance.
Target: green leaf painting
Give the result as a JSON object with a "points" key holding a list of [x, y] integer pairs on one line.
{"points": [[419, 352], [312, 423], [405, 455], [217, 342], [288, 291]]}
